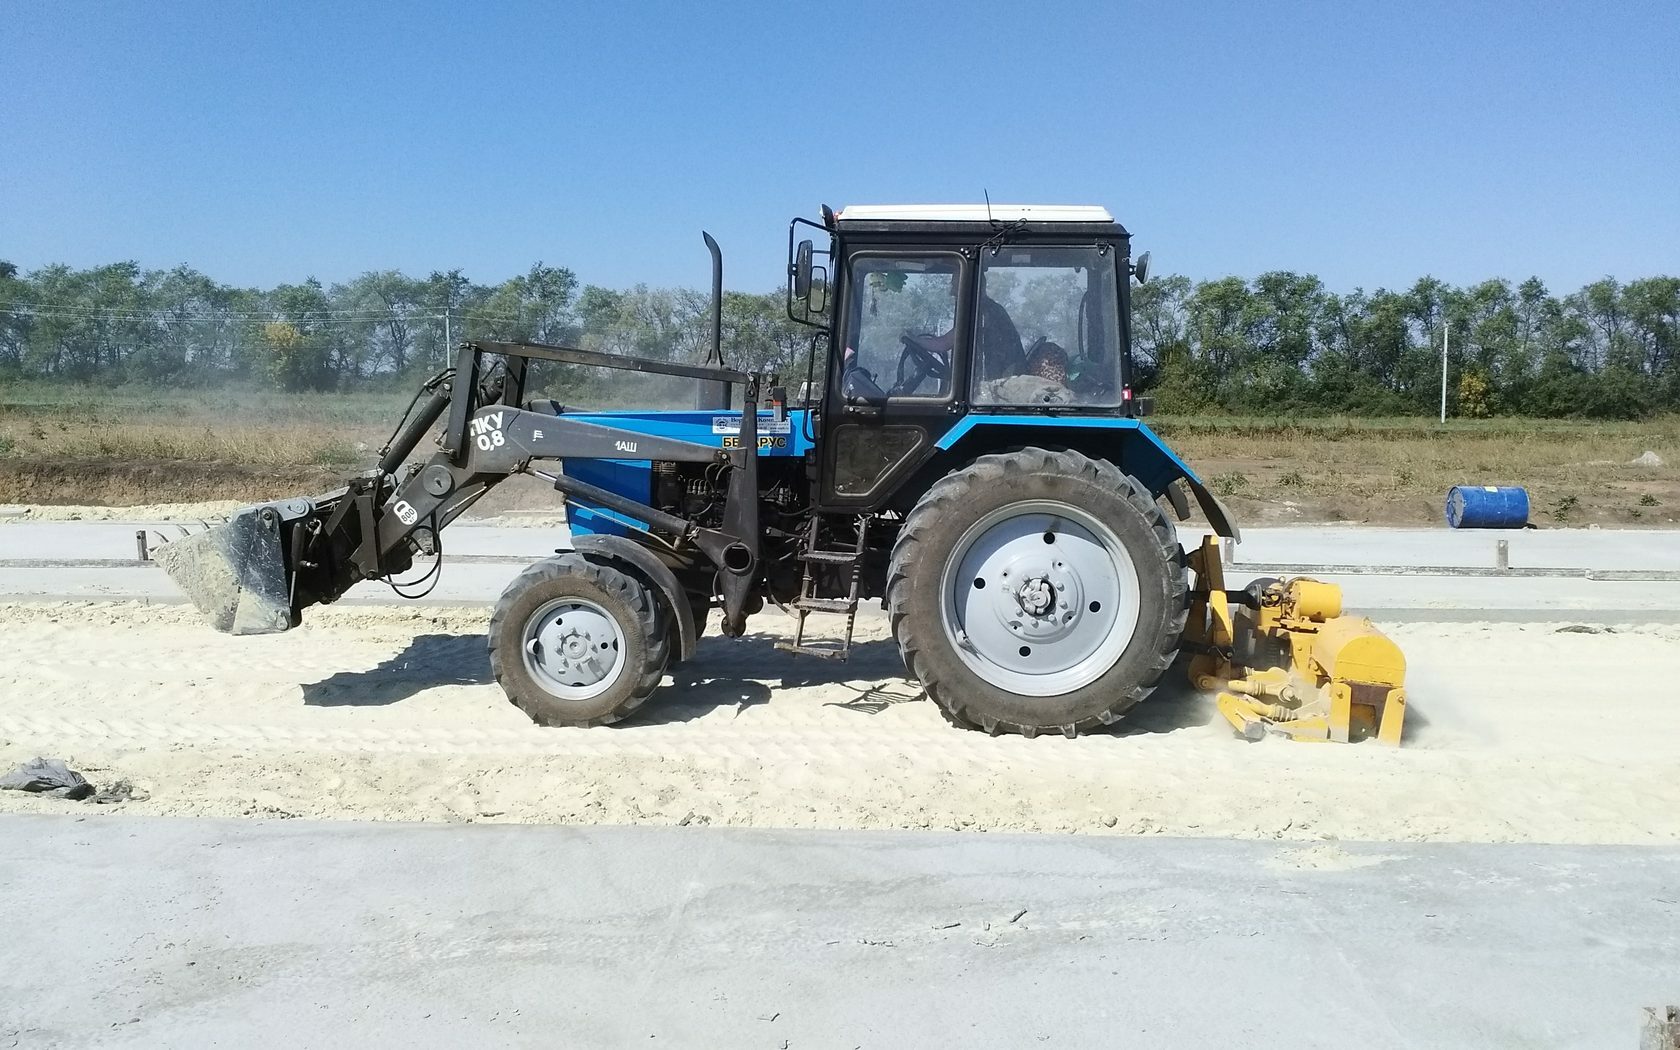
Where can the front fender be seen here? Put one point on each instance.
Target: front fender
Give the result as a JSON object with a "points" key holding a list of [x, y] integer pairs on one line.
{"points": [[643, 563]]}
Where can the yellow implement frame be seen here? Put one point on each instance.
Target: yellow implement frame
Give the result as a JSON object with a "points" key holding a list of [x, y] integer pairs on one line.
{"points": [[1283, 659]]}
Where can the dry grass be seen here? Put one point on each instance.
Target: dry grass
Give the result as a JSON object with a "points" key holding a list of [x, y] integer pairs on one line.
{"points": [[237, 427], [251, 444], [1399, 471], [1378, 470]]}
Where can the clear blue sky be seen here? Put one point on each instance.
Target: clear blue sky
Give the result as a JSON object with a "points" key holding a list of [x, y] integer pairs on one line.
{"points": [[1368, 143]]}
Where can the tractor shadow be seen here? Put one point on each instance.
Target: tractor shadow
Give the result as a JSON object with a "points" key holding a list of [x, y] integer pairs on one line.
{"points": [[727, 673], [873, 679], [1173, 706], [718, 678], [429, 660]]}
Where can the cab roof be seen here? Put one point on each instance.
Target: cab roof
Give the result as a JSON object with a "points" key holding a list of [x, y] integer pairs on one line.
{"points": [[1035, 213]]}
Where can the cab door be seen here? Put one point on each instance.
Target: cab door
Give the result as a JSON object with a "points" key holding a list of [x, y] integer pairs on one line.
{"points": [[897, 372]]}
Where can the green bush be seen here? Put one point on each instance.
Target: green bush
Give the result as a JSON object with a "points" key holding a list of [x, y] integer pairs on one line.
{"points": [[1230, 484], [1569, 393]]}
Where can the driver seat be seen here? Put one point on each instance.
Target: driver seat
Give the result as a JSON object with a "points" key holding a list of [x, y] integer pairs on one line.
{"points": [[998, 349]]}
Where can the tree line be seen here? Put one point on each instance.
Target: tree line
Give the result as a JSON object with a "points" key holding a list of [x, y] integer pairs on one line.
{"points": [[1280, 342], [1283, 342], [123, 324]]}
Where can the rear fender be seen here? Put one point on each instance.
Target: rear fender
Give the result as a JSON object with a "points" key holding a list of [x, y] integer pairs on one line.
{"points": [[1213, 510], [1128, 443], [643, 563]]}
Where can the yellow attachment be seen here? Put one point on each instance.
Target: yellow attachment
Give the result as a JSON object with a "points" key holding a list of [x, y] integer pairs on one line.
{"points": [[1344, 679], [1350, 649], [1312, 600]]}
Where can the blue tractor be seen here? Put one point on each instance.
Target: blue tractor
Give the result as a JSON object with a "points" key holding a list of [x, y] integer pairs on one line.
{"points": [[966, 447]]}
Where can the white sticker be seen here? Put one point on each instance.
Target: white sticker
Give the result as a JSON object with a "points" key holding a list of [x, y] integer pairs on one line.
{"points": [[405, 513], [767, 424], [487, 431]]}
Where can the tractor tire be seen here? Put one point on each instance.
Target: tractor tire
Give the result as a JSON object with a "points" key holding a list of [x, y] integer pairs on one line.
{"points": [[578, 643], [1037, 590]]}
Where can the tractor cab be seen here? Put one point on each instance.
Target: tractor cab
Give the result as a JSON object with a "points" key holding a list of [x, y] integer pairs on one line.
{"points": [[933, 313]]}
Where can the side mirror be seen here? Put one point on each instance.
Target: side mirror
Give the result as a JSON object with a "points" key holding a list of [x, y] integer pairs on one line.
{"points": [[1140, 269], [800, 271]]}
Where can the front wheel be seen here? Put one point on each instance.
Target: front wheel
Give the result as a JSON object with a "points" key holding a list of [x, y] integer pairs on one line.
{"points": [[578, 643], [1037, 590]]}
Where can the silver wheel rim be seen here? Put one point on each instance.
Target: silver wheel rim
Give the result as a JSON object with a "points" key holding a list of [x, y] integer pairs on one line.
{"points": [[1039, 598], [573, 648]]}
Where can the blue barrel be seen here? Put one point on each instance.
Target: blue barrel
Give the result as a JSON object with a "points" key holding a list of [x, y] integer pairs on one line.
{"points": [[1487, 507]]}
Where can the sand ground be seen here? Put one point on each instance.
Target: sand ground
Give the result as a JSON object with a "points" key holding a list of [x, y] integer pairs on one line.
{"points": [[1517, 733]]}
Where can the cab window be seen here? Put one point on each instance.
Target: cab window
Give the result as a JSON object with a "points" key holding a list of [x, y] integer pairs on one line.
{"points": [[1048, 327], [901, 327]]}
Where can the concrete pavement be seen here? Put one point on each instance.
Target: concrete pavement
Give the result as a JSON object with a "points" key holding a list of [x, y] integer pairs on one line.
{"points": [[148, 932], [1393, 596], [1657, 549]]}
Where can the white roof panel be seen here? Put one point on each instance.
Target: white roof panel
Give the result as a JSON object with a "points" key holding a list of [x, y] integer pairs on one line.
{"points": [[975, 212]]}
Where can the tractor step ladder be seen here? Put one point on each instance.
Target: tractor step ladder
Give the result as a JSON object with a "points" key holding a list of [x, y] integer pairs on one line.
{"points": [[808, 603]]}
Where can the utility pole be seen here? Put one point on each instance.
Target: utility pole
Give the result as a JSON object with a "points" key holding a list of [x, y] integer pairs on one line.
{"points": [[1446, 334], [448, 342]]}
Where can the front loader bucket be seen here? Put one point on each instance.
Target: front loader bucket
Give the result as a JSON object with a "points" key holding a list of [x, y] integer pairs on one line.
{"points": [[235, 573]]}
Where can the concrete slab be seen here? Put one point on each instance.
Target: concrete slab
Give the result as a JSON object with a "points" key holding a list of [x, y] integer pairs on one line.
{"points": [[1418, 597], [49, 540], [1320, 544], [475, 582], [1657, 549], [144, 932]]}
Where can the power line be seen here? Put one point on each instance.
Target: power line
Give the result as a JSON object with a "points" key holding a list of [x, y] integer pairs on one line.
{"points": [[20, 304], [173, 317], [167, 319], [211, 318]]}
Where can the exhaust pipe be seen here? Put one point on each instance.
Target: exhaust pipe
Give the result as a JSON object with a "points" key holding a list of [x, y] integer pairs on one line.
{"points": [[714, 395]]}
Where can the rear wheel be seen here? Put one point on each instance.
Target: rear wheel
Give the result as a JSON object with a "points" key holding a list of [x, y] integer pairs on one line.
{"points": [[578, 643], [1037, 590]]}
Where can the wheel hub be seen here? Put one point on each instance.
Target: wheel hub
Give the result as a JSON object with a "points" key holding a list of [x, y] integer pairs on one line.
{"points": [[1042, 598], [573, 648], [1036, 596], [1048, 601]]}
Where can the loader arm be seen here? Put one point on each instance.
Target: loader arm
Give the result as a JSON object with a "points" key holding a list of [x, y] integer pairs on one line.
{"points": [[256, 574]]}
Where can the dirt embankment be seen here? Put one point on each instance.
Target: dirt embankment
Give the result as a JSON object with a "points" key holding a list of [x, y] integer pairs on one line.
{"points": [[129, 483]]}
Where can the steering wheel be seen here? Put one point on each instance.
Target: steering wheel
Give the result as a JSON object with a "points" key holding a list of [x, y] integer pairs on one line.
{"points": [[919, 361]]}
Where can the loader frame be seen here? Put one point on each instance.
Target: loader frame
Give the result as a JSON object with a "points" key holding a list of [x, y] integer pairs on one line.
{"points": [[488, 436]]}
